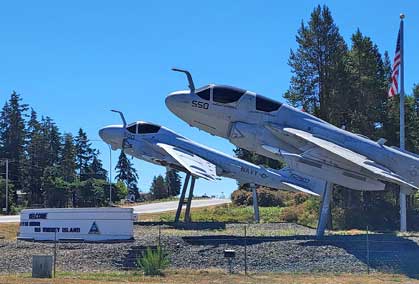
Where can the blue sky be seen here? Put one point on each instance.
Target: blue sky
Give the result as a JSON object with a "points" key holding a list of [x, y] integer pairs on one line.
{"points": [[76, 60]]}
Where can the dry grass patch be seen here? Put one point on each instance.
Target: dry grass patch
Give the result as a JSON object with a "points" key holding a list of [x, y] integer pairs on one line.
{"points": [[8, 231], [211, 276]]}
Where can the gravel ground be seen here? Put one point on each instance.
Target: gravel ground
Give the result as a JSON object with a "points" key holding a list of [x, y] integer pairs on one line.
{"points": [[270, 247]]}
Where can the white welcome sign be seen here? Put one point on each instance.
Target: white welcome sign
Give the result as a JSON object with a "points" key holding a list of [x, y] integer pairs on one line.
{"points": [[77, 224]]}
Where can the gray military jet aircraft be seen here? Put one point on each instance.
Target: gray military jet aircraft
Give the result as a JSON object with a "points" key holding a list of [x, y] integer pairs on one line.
{"points": [[306, 143], [159, 145]]}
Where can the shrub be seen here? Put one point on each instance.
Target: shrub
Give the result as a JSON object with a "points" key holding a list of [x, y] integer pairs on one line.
{"points": [[239, 197], [153, 262], [289, 214], [268, 198]]}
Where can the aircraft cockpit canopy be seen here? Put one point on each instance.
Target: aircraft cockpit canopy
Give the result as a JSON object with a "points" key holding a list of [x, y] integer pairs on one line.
{"points": [[226, 94], [141, 127], [204, 92], [266, 104]]}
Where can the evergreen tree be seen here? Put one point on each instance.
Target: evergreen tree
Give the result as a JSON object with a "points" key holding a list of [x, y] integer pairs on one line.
{"points": [[3, 193], [127, 173], [68, 158], [84, 154], [12, 137], [173, 182], [368, 87], [36, 160], [96, 169], [52, 141], [416, 96], [158, 188], [318, 67]]}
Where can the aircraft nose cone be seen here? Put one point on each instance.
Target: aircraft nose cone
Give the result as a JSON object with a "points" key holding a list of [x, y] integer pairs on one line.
{"points": [[112, 135], [175, 101]]}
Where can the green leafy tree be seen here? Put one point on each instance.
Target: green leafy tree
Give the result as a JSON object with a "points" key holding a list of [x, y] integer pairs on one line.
{"points": [[56, 190], [91, 193]]}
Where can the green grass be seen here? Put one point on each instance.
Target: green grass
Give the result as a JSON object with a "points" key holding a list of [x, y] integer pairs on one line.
{"points": [[228, 213]]}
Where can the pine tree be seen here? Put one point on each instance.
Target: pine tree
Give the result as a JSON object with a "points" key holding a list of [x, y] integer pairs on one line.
{"points": [[36, 160], [368, 87], [173, 182], [318, 67], [96, 169], [158, 188], [12, 137], [52, 138], [416, 96], [127, 173], [68, 158], [84, 154]]}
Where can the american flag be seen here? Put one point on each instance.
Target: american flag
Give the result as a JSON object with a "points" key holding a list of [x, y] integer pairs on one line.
{"points": [[394, 76]]}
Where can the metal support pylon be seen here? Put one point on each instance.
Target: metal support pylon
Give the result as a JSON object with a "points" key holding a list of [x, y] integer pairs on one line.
{"points": [[182, 197], [324, 209], [255, 203], [188, 204]]}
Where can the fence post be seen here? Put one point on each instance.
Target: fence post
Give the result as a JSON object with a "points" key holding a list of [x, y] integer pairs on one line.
{"points": [[245, 249], [55, 249], [159, 235], [368, 253]]}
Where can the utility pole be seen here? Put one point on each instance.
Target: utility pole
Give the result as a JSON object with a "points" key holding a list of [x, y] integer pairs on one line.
{"points": [[110, 174]]}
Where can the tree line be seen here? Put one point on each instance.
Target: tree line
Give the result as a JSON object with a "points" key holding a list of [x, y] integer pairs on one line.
{"points": [[347, 85], [48, 168]]}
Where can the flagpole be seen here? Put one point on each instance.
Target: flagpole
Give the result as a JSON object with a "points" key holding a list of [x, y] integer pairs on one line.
{"points": [[402, 127], [402, 195]]}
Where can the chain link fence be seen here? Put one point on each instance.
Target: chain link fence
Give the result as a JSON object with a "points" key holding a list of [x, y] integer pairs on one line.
{"points": [[244, 248]]}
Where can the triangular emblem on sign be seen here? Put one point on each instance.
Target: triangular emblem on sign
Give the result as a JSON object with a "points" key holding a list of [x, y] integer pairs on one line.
{"points": [[94, 229]]}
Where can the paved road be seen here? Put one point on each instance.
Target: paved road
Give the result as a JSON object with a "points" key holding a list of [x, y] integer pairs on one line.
{"points": [[172, 205], [146, 208]]}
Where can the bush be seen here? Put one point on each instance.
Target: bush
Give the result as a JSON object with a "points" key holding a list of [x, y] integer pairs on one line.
{"points": [[153, 262], [269, 198], [289, 214], [239, 197]]}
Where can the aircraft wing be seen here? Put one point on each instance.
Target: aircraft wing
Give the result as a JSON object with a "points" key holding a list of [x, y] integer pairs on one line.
{"points": [[193, 163], [332, 153]]}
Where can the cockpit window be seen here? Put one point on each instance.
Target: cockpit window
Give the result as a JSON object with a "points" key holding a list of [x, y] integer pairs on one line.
{"points": [[266, 104], [132, 128], [226, 94], [146, 128], [204, 93]]}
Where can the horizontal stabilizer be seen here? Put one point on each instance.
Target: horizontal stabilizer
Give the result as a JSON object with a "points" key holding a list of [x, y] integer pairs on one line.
{"points": [[194, 164]]}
